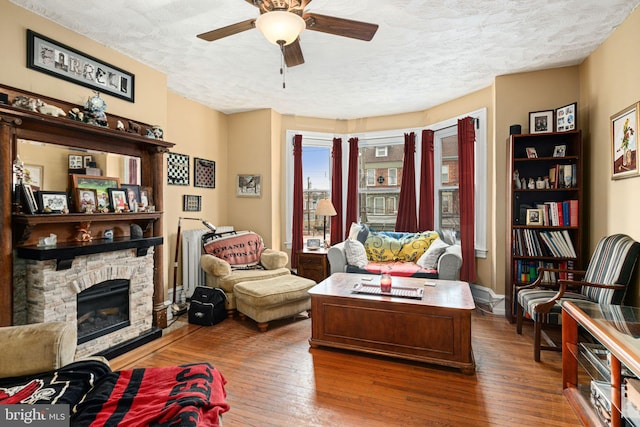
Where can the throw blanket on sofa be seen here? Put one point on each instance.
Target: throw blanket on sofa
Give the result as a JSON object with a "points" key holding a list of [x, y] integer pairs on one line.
{"points": [[188, 395], [401, 269], [64, 386]]}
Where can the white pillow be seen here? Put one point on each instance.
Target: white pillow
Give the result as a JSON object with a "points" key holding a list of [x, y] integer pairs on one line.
{"points": [[429, 260], [354, 230], [356, 255]]}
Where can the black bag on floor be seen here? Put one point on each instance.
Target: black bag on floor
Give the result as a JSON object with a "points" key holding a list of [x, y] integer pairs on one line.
{"points": [[207, 306]]}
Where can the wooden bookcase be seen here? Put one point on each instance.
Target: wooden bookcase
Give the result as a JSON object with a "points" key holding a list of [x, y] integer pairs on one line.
{"points": [[543, 218]]}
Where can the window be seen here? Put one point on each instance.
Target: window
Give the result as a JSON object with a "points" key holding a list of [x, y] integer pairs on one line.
{"points": [[378, 205], [371, 177], [393, 176], [316, 161], [381, 151], [444, 173], [447, 214], [392, 205]]}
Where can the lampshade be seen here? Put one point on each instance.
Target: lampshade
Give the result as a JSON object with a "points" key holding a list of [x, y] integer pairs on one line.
{"points": [[325, 208], [280, 26]]}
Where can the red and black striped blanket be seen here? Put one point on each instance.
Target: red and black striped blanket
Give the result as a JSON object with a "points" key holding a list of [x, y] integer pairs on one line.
{"points": [[188, 395]]}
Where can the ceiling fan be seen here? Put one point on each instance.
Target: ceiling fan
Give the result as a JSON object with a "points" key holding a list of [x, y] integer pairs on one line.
{"points": [[282, 21]]}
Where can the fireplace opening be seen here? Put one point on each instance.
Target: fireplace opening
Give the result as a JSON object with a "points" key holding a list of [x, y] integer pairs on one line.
{"points": [[102, 309]]}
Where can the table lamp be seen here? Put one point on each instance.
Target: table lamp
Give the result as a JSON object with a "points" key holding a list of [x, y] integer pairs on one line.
{"points": [[325, 208]]}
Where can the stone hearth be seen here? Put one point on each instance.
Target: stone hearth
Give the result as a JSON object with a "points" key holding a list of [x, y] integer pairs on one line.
{"points": [[44, 294]]}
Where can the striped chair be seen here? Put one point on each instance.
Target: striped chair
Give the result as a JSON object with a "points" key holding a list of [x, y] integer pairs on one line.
{"points": [[605, 282]]}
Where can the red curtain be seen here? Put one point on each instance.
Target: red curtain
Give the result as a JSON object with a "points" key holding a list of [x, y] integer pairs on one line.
{"points": [[426, 210], [336, 191], [406, 219], [298, 201], [352, 186], [466, 149]]}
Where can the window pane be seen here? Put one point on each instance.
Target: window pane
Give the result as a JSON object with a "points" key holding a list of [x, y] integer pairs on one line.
{"points": [[393, 176], [379, 188], [450, 160], [450, 210], [316, 163]]}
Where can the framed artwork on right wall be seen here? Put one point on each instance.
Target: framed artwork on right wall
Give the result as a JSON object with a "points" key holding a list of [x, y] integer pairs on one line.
{"points": [[624, 147]]}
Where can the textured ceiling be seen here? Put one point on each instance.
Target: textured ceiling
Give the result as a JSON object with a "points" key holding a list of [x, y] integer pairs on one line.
{"points": [[424, 53]]}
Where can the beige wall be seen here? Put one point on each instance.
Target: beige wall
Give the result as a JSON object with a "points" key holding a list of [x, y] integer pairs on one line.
{"points": [[150, 85], [609, 83], [200, 132], [251, 151], [515, 96]]}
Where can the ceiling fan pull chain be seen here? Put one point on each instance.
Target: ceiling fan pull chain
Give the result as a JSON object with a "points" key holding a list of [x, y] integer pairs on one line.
{"points": [[282, 63]]}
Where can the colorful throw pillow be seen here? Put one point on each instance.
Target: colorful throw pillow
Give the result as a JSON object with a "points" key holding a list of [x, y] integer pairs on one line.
{"points": [[429, 260], [414, 245], [240, 250], [380, 247], [356, 255]]}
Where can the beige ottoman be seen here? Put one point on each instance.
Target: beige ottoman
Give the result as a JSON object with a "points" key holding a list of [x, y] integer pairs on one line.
{"points": [[274, 298]]}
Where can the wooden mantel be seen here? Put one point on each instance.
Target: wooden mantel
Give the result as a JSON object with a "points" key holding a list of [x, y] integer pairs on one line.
{"points": [[17, 124]]}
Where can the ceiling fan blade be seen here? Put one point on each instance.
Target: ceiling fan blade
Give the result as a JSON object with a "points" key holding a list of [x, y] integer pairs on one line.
{"points": [[340, 27], [228, 30], [293, 54]]}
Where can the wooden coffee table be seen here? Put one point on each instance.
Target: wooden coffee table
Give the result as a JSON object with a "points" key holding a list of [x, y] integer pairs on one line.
{"points": [[434, 329]]}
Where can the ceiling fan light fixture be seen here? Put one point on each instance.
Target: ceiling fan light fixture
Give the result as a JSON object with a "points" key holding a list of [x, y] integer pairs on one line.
{"points": [[279, 26]]}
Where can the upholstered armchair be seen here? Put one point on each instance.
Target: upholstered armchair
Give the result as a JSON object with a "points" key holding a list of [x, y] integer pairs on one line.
{"points": [[605, 281], [225, 272]]}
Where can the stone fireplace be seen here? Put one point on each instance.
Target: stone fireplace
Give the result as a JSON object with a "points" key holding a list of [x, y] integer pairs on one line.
{"points": [[43, 293]]}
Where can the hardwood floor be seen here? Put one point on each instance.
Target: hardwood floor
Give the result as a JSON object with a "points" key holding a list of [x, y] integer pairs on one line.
{"points": [[276, 379]]}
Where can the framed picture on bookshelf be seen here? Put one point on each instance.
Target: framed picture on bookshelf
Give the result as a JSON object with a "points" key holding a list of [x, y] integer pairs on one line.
{"points": [[541, 121], [566, 118], [532, 153], [559, 151], [624, 147], [534, 216]]}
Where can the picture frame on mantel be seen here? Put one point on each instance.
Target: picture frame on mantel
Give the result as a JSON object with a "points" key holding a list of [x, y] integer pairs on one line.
{"points": [[64, 62], [624, 143]]}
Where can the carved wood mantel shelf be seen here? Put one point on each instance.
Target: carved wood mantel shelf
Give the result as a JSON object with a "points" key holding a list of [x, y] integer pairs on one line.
{"points": [[65, 253], [25, 224], [21, 232]]}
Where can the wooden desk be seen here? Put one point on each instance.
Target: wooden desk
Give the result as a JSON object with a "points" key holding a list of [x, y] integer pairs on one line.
{"points": [[314, 264], [435, 329]]}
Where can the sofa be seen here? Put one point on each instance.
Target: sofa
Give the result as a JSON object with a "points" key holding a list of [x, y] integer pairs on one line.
{"points": [[426, 254], [37, 367]]}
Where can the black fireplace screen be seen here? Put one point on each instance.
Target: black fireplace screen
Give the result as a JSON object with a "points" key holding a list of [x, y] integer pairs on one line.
{"points": [[102, 309]]}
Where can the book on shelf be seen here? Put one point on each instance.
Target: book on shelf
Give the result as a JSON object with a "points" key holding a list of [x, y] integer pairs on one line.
{"points": [[573, 213]]}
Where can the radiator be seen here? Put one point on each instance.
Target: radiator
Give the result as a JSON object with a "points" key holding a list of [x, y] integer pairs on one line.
{"points": [[192, 274]]}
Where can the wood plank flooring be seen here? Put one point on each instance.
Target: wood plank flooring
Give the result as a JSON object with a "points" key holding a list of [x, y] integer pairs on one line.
{"points": [[276, 379]]}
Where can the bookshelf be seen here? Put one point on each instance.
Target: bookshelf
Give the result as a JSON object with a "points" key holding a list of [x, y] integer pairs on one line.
{"points": [[545, 205]]}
